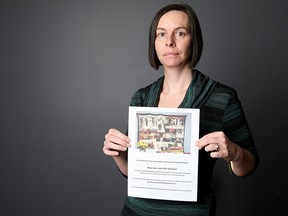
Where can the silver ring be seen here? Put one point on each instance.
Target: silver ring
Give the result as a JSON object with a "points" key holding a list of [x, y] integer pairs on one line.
{"points": [[217, 146]]}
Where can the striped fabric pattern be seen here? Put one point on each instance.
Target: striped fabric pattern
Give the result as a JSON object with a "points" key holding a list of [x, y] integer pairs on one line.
{"points": [[220, 110]]}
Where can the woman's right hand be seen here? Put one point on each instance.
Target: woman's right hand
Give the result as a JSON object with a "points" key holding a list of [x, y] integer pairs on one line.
{"points": [[115, 143]]}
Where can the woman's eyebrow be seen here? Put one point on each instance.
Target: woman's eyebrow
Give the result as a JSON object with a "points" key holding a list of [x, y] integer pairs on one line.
{"points": [[163, 29]]}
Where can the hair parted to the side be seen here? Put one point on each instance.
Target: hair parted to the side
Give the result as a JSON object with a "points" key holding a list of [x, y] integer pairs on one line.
{"points": [[196, 43]]}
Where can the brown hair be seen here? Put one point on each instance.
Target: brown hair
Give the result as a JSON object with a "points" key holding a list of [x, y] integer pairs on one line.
{"points": [[196, 43]]}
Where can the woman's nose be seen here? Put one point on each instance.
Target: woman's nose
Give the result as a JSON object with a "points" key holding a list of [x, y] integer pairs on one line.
{"points": [[170, 41]]}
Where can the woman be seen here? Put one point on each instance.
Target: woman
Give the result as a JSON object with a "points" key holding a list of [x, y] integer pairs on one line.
{"points": [[176, 44]]}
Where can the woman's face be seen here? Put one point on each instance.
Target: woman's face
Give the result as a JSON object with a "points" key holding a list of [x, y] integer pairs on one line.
{"points": [[172, 42]]}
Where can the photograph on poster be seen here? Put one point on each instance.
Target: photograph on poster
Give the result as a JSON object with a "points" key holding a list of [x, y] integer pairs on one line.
{"points": [[160, 133]]}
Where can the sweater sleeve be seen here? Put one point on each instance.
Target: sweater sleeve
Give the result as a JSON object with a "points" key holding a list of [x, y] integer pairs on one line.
{"points": [[236, 127]]}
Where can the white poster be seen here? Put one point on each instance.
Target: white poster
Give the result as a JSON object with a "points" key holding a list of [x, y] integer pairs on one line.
{"points": [[163, 158]]}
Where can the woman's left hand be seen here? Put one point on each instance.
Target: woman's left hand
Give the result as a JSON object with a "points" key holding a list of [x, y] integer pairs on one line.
{"points": [[219, 146]]}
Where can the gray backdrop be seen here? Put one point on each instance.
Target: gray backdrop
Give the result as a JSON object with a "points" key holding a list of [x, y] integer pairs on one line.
{"points": [[68, 69]]}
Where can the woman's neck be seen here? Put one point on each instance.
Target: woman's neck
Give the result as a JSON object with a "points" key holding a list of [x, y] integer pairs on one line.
{"points": [[176, 81]]}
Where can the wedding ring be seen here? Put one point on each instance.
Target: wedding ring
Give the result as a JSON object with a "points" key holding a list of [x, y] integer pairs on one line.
{"points": [[217, 146]]}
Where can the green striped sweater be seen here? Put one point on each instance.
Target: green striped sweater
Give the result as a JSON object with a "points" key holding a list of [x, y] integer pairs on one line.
{"points": [[220, 110]]}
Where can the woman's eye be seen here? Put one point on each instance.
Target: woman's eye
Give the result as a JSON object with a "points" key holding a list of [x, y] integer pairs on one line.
{"points": [[161, 34], [180, 34]]}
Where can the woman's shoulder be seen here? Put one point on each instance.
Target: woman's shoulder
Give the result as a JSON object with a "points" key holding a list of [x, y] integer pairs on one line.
{"points": [[224, 88], [142, 93], [222, 96]]}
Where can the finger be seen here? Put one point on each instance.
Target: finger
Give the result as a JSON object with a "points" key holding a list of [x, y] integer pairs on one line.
{"points": [[205, 141], [118, 138], [116, 142], [117, 133], [111, 145], [219, 154], [212, 147], [214, 137], [215, 154], [109, 152]]}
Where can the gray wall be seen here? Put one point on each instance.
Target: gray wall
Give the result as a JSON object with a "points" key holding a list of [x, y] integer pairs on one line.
{"points": [[68, 69]]}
